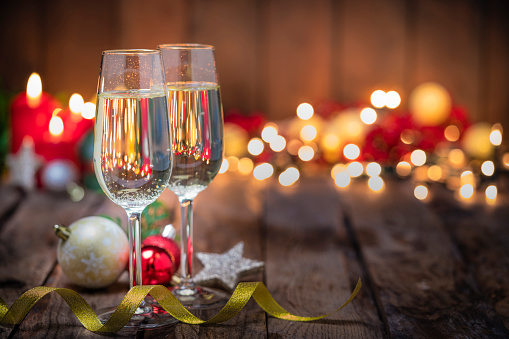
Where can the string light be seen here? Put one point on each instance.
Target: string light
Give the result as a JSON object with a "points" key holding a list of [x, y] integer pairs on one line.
{"points": [[368, 116], [289, 176], [418, 157], [376, 184], [355, 169], [378, 98], [373, 169], [403, 169], [351, 151], [421, 192], [255, 146], [392, 99], [306, 153], [305, 111], [263, 171], [488, 168]]}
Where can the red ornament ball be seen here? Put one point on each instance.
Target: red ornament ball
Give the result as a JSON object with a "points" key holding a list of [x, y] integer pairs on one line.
{"points": [[160, 259]]}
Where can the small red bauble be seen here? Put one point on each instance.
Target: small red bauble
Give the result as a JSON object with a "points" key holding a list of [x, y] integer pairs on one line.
{"points": [[160, 259]]}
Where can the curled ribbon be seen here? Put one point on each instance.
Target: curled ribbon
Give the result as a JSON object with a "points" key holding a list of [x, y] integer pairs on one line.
{"points": [[82, 310]]}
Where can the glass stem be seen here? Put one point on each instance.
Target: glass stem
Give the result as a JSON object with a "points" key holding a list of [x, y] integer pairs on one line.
{"points": [[134, 236], [186, 242]]}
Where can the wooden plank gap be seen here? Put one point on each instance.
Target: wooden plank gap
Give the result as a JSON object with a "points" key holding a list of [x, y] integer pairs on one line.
{"points": [[367, 279]]}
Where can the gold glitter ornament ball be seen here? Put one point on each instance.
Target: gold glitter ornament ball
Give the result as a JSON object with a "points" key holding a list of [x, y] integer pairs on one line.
{"points": [[92, 251]]}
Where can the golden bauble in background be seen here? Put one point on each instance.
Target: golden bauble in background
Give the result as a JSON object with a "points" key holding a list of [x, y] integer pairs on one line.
{"points": [[476, 141], [430, 104]]}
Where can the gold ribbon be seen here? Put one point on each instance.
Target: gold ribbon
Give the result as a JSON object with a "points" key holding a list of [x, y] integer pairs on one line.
{"points": [[82, 310]]}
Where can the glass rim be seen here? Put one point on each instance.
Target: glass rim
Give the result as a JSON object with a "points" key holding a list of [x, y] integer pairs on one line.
{"points": [[186, 46], [131, 51]]}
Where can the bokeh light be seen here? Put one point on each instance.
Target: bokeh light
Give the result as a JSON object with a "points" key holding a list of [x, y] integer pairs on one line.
{"points": [[306, 153], [342, 179], [368, 116], [373, 169], [88, 110], [224, 166], [376, 183], [392, 99], [308, 133], [289, 176], [351, 151], [263, 171], [418, 157], [255, 146], [305, 111], [421, 192], [378, 98], [269, 132], [488, 168], [76, 103], [452, 133], [278, 143], [245, 165], [403, 169]]}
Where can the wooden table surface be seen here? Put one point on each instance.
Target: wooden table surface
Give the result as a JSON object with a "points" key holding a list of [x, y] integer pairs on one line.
{"points": [[435, 269]]}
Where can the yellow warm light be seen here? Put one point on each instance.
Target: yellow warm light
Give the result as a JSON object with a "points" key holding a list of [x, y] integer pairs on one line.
{"points": [[421, 192], [452, 133], [224, 166], [255, 146], [376, 183], [466, 191], [407, 136], [269, 132], [392, 99], [403, 169], [289, 176], [435, 173], [457, 157], [56, 125], [418, 157], [34, 90], [76, 103], [308, 133], [496, 137], [355, 169], [351, 151], [368, 116], [491, 193], [488, 168], [306, 153], [378, 98], [505, 160], [337, 169], [293, 146], [330, 142], [263, 171], [34, 86], [88, 110], [278, 143], [233, 163], [245, 165], [342, 179], [305, 111], [373, 169], [467, 177]]}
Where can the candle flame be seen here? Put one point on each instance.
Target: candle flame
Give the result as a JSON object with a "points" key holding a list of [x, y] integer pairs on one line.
{"points": [[56, 125], [34, 90]]}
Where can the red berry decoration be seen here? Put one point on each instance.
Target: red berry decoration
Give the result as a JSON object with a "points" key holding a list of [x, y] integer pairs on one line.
{"points": [[160, 259]]}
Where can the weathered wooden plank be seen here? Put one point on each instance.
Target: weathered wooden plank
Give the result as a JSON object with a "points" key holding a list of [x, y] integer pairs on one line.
{"points": [[370, 44], [481, 233], [423, 284], [10, 198], [227, 212], [445, 47], [28, 243], [311, 268], [296, 55]]}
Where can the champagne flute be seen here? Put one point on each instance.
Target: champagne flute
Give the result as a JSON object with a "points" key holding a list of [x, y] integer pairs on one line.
{"points": [[132, 151], [196, 120]]}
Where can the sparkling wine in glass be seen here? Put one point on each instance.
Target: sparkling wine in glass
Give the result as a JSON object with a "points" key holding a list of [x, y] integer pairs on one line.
{"points": [[132, 151], [196, 120]]}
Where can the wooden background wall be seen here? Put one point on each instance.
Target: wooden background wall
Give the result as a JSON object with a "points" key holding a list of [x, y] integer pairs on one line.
{"points": [[271, 54]]}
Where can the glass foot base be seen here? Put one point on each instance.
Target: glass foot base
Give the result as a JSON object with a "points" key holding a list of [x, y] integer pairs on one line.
{"points": [[146, 317], [201, 298]]}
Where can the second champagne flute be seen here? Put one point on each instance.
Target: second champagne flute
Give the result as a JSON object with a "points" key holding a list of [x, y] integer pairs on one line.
{"points": [[196, 120]]}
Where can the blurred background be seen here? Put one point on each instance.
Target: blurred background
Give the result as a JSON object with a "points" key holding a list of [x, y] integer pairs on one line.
{"points": [[273, 55]]}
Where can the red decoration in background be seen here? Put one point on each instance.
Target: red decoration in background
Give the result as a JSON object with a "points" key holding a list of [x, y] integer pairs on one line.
{"points": [[252, 123], [34, 122], [160, 259]]}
